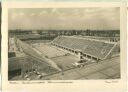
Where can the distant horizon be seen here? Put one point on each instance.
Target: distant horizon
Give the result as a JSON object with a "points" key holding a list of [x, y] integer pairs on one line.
{"points": [[58, 29], [63, 30]]}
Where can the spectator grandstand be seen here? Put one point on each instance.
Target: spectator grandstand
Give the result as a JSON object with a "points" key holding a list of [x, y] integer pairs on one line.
{"points": [[85, 47]]}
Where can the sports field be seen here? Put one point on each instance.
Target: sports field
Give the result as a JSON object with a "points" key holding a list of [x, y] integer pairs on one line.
{"points": [[106, 69], [48, 50]]}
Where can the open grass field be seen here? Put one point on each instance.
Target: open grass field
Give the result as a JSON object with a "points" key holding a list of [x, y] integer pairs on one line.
{"points": [[48, 50]]}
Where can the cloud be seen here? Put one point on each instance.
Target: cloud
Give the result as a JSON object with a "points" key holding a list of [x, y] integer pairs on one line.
{"points": [[14, 15], [42, 13], [21, 14], [32, 14], [55, 11]]}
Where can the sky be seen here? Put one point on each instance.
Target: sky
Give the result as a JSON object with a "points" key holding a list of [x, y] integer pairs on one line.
{"points": [[95, 18]]}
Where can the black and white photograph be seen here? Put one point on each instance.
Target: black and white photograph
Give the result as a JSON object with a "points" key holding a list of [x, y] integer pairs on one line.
{"points": [[64, 43]]}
